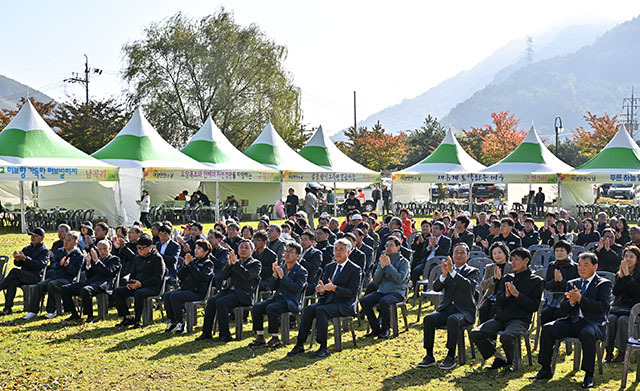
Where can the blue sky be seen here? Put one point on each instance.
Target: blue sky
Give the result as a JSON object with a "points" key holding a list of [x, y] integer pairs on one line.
{"points": [[387, 51]]}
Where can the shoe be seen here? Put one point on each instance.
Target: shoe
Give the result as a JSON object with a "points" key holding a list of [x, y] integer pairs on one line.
{"points": [[91, 319], [170, 327], [51, 315], [543, 374], [448, 363], [427, 361], [498, 363], [259, 341], [203, 337], [137, 325], [320, 353], [224, 338], [73, 318], [608, 359], [30, 315], [274, 342], [126, 322], [6, 311], [588, 381], [384, 335], [619, 358], [298, 349], [180, 328], [372, 334]]}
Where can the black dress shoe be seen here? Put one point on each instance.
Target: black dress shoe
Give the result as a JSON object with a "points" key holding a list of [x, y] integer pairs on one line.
{"points": [[384, 335], [6, 311], [499, 363], [91, 319], [448, 363], [224, 338], [372, 334], [427, 361], [298, 349], [274, 342], [126, 322], [588, 382], [137, 325], [320, 353], [543, 374], [259, 341], [203, 337], [73, 318]]}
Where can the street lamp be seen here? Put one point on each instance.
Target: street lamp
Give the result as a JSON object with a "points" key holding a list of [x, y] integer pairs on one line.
{"points": [[559, 129]]}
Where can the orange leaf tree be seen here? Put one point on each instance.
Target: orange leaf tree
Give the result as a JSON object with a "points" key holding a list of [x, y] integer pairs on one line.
{"points": [[603, 129], [491, 143], [375, 148], [45, 109]]}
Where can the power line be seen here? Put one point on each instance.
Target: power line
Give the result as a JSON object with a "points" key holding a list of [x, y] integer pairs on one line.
{"points": [[630, 111], [75, 77]]}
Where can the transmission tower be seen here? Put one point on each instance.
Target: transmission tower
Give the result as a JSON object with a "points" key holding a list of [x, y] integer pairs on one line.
{"points": [[629, 112], [75, 77], [528, 51]]}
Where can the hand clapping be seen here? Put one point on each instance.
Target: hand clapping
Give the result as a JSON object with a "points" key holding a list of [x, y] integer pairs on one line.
{"points": [[188, 258], [232, 258], [573, 295], [320, 287]]}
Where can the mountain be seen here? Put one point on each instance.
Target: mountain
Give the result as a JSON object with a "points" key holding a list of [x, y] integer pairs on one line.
{"points": [[596, 78], [11, 91], [439, 100]]}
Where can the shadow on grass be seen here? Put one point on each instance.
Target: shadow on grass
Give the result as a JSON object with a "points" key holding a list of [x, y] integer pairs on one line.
{"points": [[240, 353], [411, 378], [142, 340]]}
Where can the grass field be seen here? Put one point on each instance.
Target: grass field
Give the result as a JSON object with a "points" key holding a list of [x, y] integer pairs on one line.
{"points": [[51, 355]]}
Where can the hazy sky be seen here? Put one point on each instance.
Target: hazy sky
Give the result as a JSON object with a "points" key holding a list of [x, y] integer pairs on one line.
{"points": [[386, 51]]}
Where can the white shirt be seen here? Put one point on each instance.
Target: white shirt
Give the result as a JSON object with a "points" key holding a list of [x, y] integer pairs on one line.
{"points": [[145, 204], [432, 253], [163, 248]]}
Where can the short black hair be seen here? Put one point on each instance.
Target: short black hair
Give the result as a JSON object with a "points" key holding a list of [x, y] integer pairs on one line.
{"points": [[349, 235], [395, 240], [563, 244], [164, 228], [261, 235], [529, 220], [425, 221], [507, 221], [309, 234], [464, 220], [396, 221], [495, 224], [295, 246], [324, 229], [440, 225], [197, 225], [589, 255], [521, 252]]}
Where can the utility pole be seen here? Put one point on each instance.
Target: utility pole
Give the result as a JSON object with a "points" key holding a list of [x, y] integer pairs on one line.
{"points": [[529, 50], [630, 110], [355, 123], [75, 77]]}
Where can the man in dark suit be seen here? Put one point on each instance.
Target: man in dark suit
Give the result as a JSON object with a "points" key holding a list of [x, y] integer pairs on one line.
{"points": [[586, 305], [507, 235], [288, 283], [356, 256], [219, 256], [337, 291], [30, 262], [233, 238], [169, 250], [322, 244], [275, 243], [460, 234], [419, 247], [266, 257], [145, 280], [311, 260], [243, 273], [101, 272], [529, 236], [366, 250], [127, 251], [438, 244], [609, 252], [458, 308], [517, 298]]}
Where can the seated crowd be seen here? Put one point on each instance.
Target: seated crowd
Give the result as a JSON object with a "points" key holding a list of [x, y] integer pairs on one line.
{"points": [[488, 279]]}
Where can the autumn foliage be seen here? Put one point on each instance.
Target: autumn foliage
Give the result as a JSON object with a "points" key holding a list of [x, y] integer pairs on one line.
{"points": [[491, 143], [591, 141], [45, 109], [374, 148]]}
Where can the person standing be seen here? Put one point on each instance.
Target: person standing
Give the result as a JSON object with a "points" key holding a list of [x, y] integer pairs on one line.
{"points": [[145, 204], [292, 203], [310, 206], [540, 202], [375, 195], [386, 200]]}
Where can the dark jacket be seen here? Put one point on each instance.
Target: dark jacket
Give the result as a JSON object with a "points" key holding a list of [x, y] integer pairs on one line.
{"points": [[196, 275], [127, 255], [327, 252], [481, 231], [37, 258], [278, 246], [584, 238], [267, 258], [442, 249], [464, 237], [347, 287], [530, 288], [368, 256], [312, 262], [244, 276], [149, 270], [512, 241], [103, 272], [459, 291], [626, 291], [356, 256], [556, 289], [594, 304], [530, 238], [290, 286], [170, 258], [220, 258], [233, 243], [609, 260], [67, 272]]}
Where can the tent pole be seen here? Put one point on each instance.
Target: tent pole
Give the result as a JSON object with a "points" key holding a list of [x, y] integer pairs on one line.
{"points": [[559, 206], [217, 201], [391, 199], [335, 200], [23, 225], [470, 199]]}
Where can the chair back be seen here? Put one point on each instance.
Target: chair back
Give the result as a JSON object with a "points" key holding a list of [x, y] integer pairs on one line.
{"points": [[413, 236], [477, 254], [633, 331], [210, 289], [301, 297], [592, 246], [435, 274], [256, 292], [4, 261], [480, 263], [576, 251], [541, 258], [433, 262], [608, 275], [475, 247], [44, 273], [536, 247]]}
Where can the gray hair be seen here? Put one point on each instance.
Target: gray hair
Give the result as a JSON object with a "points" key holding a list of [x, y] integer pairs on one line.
{"points": [[73, 234], [251, 245], [276, 227], [345, 242], [65, 226], [105, 242]]}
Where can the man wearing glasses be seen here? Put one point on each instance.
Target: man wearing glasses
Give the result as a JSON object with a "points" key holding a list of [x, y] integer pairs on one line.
{"points": [[145, 280]]}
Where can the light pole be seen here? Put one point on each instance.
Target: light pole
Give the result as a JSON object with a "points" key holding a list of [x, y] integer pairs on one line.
{"points": [[559, 129]]}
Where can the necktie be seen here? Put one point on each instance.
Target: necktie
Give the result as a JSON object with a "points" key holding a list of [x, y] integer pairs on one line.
{"points": [[585, 285], [337, 273]]}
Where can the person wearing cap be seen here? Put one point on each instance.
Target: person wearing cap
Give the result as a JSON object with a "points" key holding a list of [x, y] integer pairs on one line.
{"points": [[65, 265], [31, 263], [85, 229], [310, 206], [145, 280], [169, 250], [355, 220], [292, 203], [101, 269]]}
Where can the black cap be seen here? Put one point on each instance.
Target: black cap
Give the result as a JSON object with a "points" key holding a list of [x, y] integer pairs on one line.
{"points": [[145, 240], [37, 231], [87, 224]]}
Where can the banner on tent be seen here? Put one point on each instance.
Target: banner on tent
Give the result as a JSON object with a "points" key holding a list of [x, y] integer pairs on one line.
{"points": [[74, 174], [601, 177], [173, 174], [473, 178], [293, 176]]}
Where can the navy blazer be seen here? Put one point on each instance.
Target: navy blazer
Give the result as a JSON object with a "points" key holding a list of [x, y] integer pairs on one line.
{"points": [[170, 258], [356, 256], [442, 249], [347, 287], [290, 286], [103, 272], [196, 275], [459, 291], [220, 258], [312, 262], [368, 254], [594, 304], [327, 252]]}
